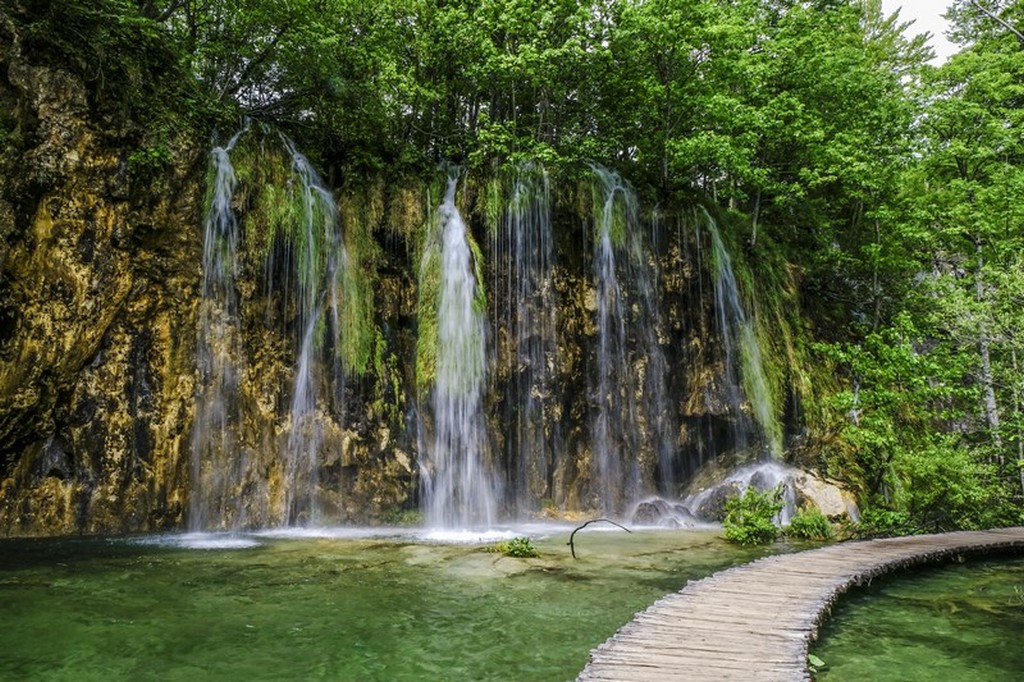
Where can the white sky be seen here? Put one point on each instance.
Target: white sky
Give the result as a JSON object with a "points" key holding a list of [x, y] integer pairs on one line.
{"points": [[927, 16]]}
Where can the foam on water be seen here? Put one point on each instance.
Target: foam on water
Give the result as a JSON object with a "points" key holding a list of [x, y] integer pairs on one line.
{"points": [[200, 541]]}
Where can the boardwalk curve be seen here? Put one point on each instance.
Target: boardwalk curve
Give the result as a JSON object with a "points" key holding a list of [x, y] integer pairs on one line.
{"points": [[755, 622]]}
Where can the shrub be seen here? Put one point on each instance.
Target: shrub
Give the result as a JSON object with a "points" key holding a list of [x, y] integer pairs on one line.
{"points": [[811, 524], [404, 517], [520, 548], [878, 522], [748, 519]]}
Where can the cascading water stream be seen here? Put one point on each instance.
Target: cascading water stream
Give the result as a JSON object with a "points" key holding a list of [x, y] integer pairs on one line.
{"points": [[524, 302], [615, 471], [460, 489], [632, 432], [319, 253], [660, 425], [215, 461], [304, 268], [743, 366]]}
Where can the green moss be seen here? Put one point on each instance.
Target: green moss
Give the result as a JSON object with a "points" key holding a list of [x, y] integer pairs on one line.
{"points": [[267, 198], [618, 214], [357, 336], [480, 298], [428, 299], [388, 395], [493, 204]]}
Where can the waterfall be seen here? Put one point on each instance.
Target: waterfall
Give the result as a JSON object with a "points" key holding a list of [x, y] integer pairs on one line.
{"points": [[305, 271], [318, 253], [216, 473], [631, 430], [745, 374], [616, 410], [523, 298], [460, 490]]}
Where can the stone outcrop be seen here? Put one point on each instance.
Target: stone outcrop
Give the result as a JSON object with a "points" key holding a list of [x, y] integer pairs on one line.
{"points": [[829, 498]]}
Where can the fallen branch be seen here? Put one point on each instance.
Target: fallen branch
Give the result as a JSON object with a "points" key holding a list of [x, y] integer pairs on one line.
{"points": [[572, 547]]}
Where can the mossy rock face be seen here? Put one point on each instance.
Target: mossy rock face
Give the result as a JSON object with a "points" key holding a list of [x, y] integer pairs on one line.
{"points": [[101, 274], [97, 327]]}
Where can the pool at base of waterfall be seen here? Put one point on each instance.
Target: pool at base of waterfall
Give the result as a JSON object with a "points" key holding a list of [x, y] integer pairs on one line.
{"points": [[333, 604]]}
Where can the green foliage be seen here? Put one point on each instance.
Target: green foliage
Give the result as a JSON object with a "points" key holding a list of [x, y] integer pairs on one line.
{"points": [[749, 520], [404, 518], [810, 524], [519, 548], [124, 55], [878, 522], [149, 160]]}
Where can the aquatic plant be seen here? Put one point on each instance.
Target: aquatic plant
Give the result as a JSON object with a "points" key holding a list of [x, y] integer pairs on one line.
{"points": [[518, 548]]}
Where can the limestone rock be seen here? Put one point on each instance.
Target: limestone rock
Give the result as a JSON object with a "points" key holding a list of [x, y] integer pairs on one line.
{"points": [[830, 499]]}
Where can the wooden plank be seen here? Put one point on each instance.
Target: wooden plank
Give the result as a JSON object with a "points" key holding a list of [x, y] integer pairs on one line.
{"points": [[754, 622]]}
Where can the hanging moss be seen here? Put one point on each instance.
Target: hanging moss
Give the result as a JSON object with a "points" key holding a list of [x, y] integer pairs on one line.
{"points": [[618, 215], [354, 276], [426, 315], [480, 297], [268, 205], [493, 203]]}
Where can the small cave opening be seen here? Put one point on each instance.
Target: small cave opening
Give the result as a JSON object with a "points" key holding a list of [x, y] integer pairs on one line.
{"points": [[10, 322]]}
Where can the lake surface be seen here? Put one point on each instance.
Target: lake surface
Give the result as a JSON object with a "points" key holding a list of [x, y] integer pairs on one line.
{"points": [[333, 604], [960, 623]]}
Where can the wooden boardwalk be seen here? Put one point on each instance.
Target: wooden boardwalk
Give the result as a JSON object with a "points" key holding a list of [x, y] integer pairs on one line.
{"points": [[755, 622]]}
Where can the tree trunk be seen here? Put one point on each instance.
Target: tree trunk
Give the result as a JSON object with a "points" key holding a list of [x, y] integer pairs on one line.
{"points": [[987, 382], [1020, 410]]}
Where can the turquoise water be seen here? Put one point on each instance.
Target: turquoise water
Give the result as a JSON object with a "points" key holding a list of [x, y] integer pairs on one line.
{"points": [[960, 623], [331, 608]]}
